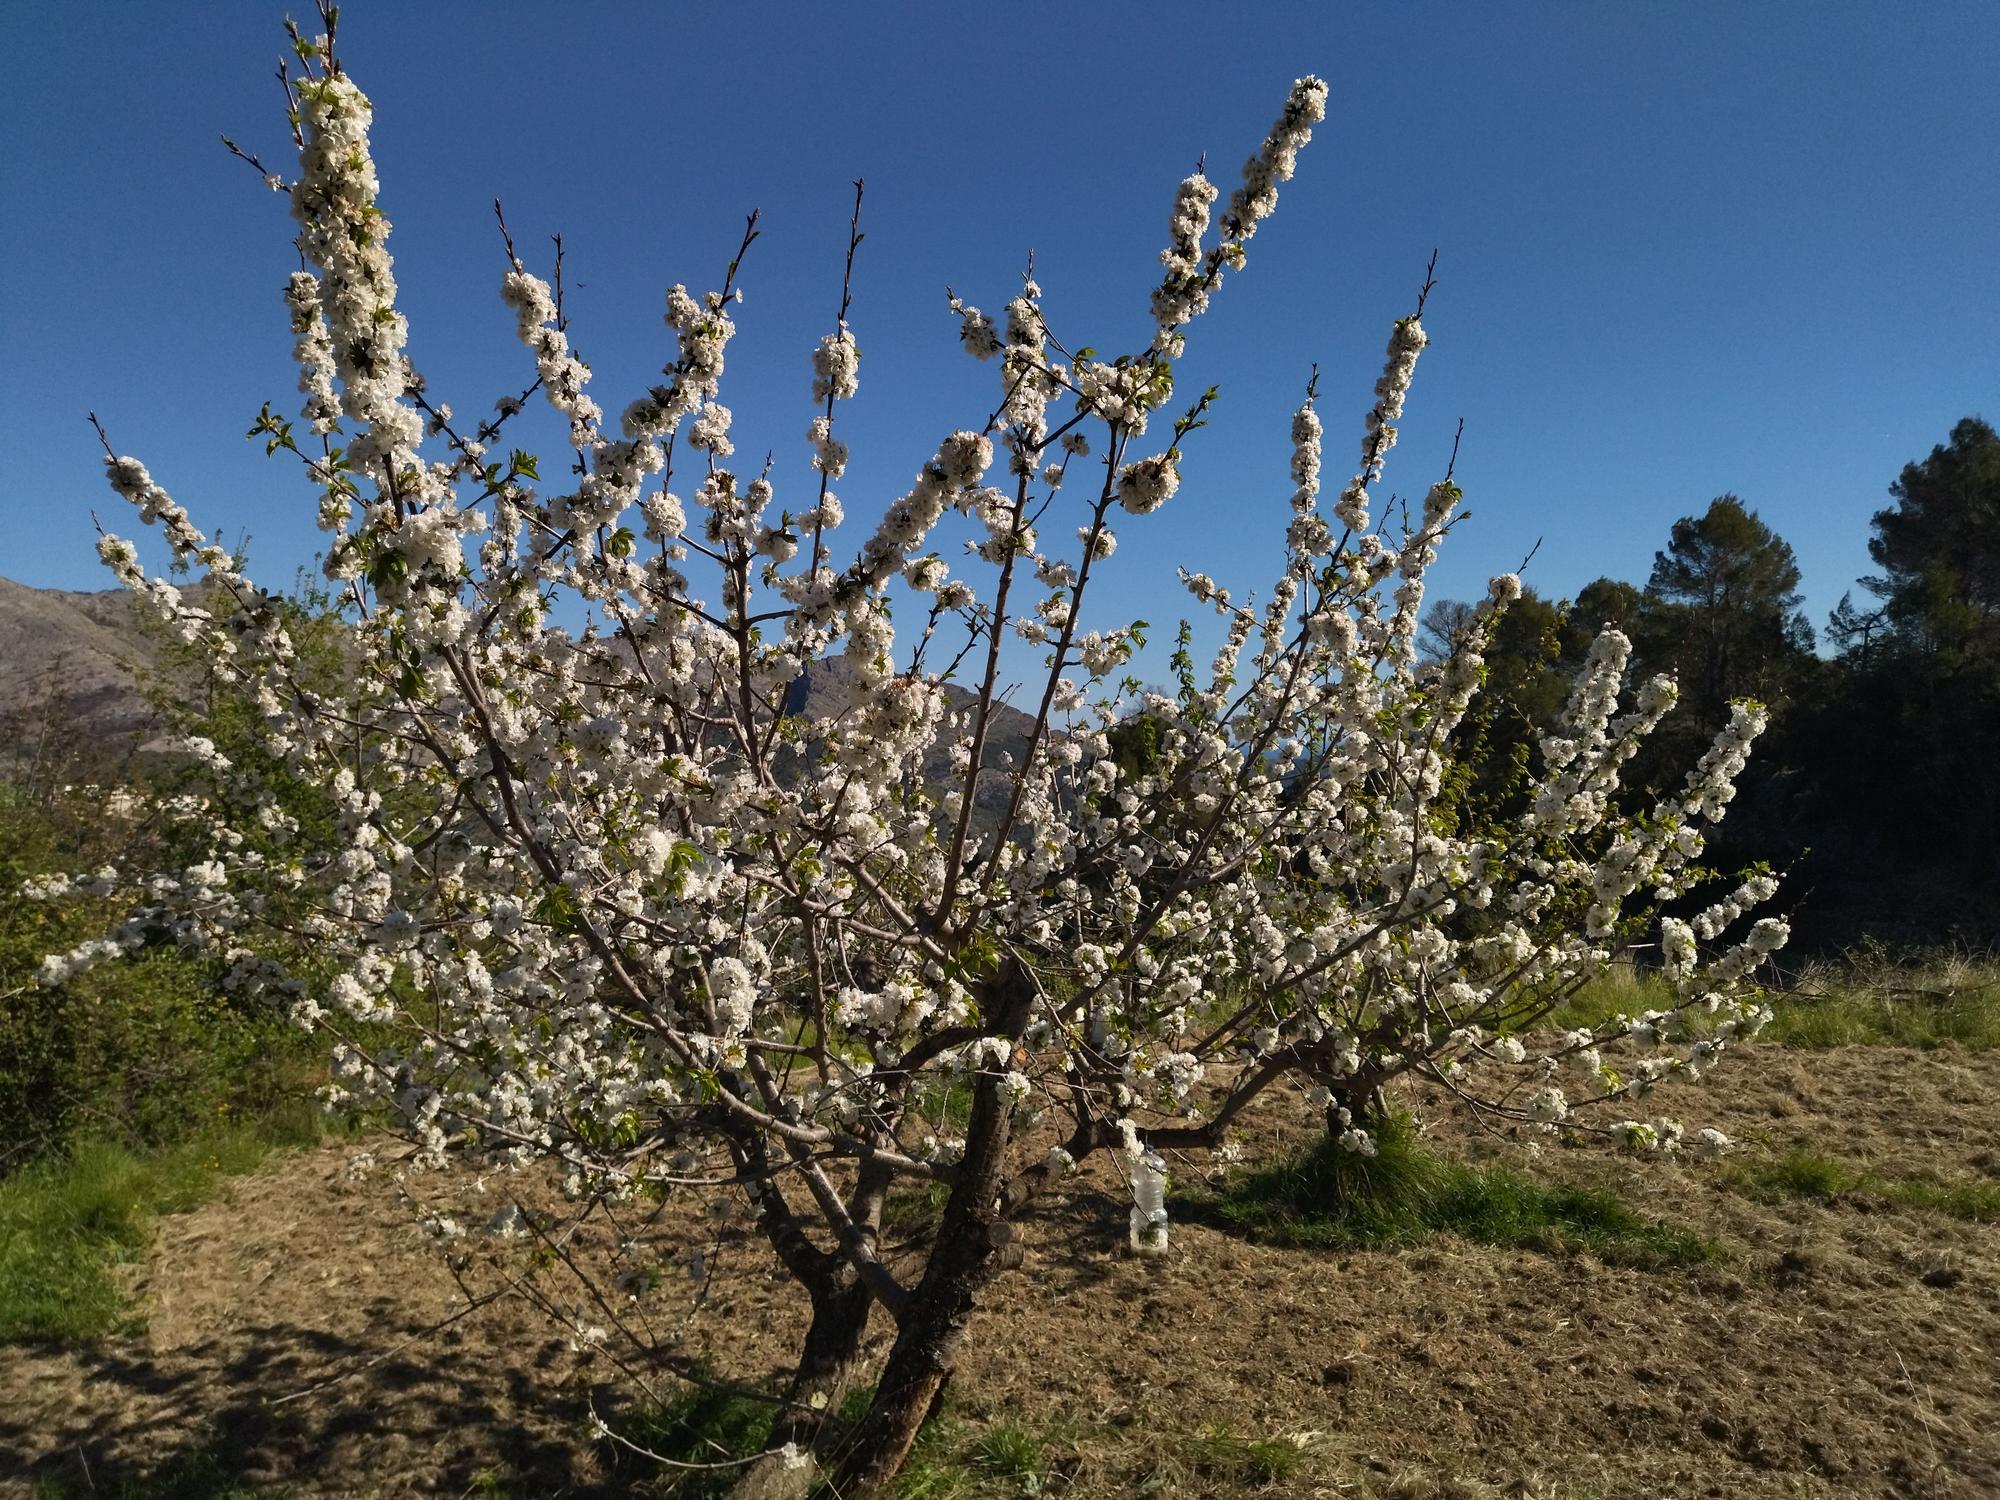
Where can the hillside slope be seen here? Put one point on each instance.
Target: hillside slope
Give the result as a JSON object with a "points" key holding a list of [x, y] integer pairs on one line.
{"points": [[71, 663]]}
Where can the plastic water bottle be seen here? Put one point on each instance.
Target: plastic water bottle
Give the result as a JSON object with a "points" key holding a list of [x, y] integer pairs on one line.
{"points": [[1149, 1204]]}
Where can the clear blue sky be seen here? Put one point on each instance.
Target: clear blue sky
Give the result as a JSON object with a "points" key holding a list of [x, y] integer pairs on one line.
{"points": [[1685, 248]]}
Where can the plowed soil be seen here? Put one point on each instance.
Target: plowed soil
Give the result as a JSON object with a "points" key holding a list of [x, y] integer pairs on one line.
{"points": [[1850, 1348]]}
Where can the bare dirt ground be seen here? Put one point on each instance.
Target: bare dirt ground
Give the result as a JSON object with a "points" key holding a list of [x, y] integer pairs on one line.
{"points": [[1843, 1349]]}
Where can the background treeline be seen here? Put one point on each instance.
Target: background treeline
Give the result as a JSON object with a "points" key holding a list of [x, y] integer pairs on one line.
{"points": [[1876, 790]]}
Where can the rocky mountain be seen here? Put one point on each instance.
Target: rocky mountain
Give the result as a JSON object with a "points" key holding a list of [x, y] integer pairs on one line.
{"points": [[70, 665], [820, 693]]}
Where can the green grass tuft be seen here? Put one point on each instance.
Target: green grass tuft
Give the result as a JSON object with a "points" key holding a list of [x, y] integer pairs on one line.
{"points": [[198, 1474], [1010, 1450], [955, 1458], [1797, 1174], [1218, 1456], [1823, 1179], [939, 1466], [1331, 1199], [67, 1222], [1978, 1202], [915, 1213], [707, 1425]]}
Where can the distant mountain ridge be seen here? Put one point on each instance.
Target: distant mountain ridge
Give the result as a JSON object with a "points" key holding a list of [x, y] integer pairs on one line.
{"points": [[72, 663], [820, 692]]}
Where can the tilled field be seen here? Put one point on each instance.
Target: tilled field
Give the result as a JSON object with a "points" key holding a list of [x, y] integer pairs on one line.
{"points": [[1842, 1348]]}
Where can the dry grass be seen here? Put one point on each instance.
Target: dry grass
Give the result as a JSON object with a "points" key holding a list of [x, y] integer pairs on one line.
{"points": [[1865, 999]]}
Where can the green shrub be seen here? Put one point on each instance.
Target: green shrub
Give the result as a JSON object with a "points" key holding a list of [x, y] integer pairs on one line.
{"points": [[147, 1051]]}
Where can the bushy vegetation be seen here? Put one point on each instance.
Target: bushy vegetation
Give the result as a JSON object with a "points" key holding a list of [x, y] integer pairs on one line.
{"points": [[141, 1053], [130, 1090], [153, 1051], [125, 1093]]}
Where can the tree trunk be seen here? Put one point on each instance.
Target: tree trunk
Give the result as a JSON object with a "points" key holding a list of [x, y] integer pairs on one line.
{"points": [[914, 1379], [827, 1362], [832, 1350], [841, 1303], [974, 1242]]}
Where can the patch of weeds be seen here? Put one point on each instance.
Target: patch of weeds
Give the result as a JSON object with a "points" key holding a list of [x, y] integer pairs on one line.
{"points": [[954, 1459], [1495, 1207], [1331, 1199], [1864, 1001], [63, 1224], [916, 1212], [719, 1424], [1217, 1459], [1619, 991], [1860, 1018], [710, 1424], [938, 1467], [1010, 1450], [1823, 1179], [1978, 1202], [853, 1407], [67, 1221], [945, 1465], [955, 1456], [1796, 1174]]}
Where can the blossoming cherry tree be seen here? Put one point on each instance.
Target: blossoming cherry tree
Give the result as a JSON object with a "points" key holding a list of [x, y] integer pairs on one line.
{"points": [[598, 893]]}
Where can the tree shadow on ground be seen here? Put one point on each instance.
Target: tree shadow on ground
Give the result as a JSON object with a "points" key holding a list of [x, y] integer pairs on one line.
{"points": [[212, 1420], [263, 1410], [1081, 1240]]}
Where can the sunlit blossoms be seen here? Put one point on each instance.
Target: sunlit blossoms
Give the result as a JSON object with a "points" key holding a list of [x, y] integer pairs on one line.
{"points": [[598, 887]]}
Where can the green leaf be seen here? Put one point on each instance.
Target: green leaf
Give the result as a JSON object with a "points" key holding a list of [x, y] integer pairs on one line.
{"points": [[389, 566], [557, 908]]}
